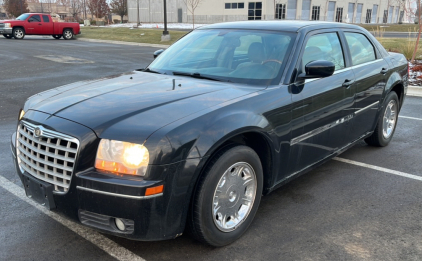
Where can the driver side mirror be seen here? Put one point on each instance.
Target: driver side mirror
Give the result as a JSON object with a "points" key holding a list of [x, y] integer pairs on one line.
{"points": [[158, 52], [318, 69]]}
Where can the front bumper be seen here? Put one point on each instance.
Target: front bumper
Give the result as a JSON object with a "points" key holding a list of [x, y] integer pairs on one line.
{"points": [[6, 30], [96, 199]]}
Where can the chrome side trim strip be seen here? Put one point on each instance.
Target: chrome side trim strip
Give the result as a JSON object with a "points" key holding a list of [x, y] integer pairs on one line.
{"points": [[320, 129], [367, 107], [117, 195]]}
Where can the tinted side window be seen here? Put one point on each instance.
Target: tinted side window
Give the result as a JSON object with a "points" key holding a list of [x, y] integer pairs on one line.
{"points": [[36, 18], [45, 19], [361, 49], [324, 47]]}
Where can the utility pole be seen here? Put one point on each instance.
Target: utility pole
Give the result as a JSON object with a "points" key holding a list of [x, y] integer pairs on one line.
{"points": [[137, 10], [166, 35]]}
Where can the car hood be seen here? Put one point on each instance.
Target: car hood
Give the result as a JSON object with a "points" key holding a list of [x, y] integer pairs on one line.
{"points": [[9, 21], [138, 102]]}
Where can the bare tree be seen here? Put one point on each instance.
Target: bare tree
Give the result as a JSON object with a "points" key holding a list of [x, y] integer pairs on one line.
{"points": [[75, 7], [191, 5], [419, 32], [410, 12], [119, 7]]}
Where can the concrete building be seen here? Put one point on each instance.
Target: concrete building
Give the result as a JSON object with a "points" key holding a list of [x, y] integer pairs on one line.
{"points": [[213, 11]]}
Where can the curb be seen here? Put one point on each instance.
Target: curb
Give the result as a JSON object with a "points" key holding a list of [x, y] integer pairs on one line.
{"points": [[124, 43], [414, 91]]}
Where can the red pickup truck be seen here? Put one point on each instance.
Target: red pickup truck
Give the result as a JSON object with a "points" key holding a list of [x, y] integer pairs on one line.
{"points": [[37, 24]]}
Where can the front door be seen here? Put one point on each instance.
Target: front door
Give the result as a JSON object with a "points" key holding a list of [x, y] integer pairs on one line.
{"points": [[370, 70], [322, 104], [34, 25]]}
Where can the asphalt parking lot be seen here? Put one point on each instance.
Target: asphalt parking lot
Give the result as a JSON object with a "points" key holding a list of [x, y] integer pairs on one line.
{"points": [[366, 205]]}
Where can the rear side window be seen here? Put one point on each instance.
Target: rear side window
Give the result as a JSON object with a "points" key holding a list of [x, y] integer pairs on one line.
{"points": [[45, 19], [361, 49], [326, 47]]}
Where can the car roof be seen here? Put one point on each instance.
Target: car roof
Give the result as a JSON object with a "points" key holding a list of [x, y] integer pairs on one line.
{"points": [[280, 25]]}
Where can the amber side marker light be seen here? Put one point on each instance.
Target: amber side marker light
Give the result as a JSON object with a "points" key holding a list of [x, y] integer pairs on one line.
{"points": [[154, 190]]}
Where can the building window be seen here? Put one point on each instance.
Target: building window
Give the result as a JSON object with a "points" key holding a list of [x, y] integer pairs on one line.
{"points": [[368, 16], [339, 14], [384, 19], [255, 11], [234, 5], [315, 12], [280, 11]]}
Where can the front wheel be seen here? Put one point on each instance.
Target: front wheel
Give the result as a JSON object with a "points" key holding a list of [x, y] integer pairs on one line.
{"points": [[8, 36], [57, 36], [227, 197], [18, 33], [387, 122], [67, 34]]}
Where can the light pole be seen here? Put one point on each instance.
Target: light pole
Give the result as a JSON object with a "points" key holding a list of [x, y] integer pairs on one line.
{"points": [[137, 10], [166, 35]]}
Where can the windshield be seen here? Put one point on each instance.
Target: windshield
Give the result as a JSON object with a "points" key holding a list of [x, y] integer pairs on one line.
{"points": [[234, 55], [23, 17]]}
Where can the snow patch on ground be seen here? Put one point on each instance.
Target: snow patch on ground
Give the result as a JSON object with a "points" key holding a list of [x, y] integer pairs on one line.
{"points": [[158, 25]]}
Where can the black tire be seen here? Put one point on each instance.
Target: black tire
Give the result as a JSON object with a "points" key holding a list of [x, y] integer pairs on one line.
{"points": [[380, 138], [67, 34], [202, 223], [57, 36], [8, 36], [18, 33]]}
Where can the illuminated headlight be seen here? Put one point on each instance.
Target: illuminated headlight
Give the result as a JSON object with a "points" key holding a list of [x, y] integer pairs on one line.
{"points": [[8, 25], [122, 157]]}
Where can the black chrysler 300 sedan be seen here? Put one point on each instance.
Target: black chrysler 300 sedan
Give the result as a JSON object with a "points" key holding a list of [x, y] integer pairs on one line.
{"points": [[225, 115]]}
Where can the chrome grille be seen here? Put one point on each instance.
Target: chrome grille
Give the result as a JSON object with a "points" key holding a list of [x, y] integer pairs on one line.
{"points": [[49, 157]]}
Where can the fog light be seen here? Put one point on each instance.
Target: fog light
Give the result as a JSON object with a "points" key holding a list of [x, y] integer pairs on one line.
{"points": [[119, 224]]}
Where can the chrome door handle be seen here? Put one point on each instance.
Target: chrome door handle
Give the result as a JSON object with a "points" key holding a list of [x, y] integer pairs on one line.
{"points": [[347, 83], [384, 71]]}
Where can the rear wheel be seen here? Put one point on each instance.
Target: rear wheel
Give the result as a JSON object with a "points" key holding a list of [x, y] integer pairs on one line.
{"points": [[387, 122], [8, 36], [67, 34], [227, 197], [57, 36], [18, 33]]}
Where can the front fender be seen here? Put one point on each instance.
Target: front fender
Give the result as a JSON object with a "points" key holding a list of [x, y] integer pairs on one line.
{"points": [[225, 127]]}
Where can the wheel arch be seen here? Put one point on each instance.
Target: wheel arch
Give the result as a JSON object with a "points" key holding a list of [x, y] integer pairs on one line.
{"points": [[18, 26], [67, 28], [395, 83], [253, 138]]}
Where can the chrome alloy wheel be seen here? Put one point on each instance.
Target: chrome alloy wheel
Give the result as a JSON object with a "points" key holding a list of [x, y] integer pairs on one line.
{"points": [[18, 33], [68, 34], [234, 196], [389, 120]]}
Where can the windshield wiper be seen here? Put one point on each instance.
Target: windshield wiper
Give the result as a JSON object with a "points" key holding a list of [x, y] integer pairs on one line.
{"points": [[150, 71], [199, 76]]}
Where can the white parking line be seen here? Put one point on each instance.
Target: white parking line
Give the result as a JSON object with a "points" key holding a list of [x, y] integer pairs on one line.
{"points": [[390, 171], [102, 242], [412, 118]]}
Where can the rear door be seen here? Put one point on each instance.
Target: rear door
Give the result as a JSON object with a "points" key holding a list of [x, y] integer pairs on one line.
{"points": [[322, 104], [47, 25], [371, 72], [34, 25]]}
